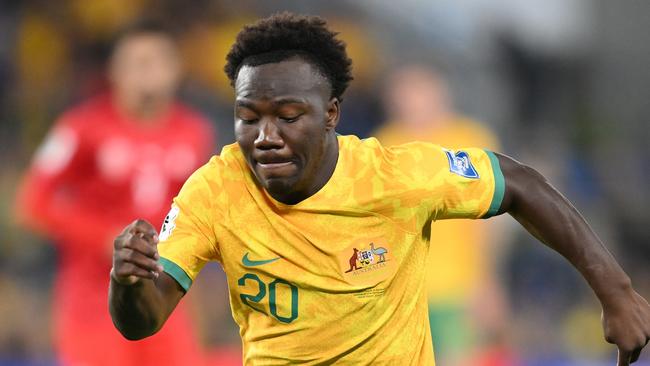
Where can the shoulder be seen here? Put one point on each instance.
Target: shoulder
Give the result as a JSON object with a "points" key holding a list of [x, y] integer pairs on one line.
{"points": [[223, 169], [201, 187], [85, 113], [413, 154], [411, 162], [217, 183], [75, 128], [372, 151]]}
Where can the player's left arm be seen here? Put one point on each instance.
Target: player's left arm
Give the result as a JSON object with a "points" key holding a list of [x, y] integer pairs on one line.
{"points": [[552, 219]]}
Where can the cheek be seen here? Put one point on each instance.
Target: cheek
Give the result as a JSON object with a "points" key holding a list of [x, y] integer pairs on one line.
{"points": [[242, 132], [312, 143], [245, 136]]}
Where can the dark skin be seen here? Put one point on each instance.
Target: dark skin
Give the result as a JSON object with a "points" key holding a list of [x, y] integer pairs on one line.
{"points": [[284, 124]]}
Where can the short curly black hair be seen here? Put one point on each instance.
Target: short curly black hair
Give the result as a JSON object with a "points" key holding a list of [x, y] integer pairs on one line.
{"points": [[285, 35]]}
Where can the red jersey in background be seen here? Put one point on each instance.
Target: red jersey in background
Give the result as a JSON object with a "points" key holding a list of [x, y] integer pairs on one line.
{"points": [[97, 171]]}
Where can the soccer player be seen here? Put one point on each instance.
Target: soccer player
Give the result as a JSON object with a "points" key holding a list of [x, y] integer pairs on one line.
{"points": [[324, 238], [118, 155]]}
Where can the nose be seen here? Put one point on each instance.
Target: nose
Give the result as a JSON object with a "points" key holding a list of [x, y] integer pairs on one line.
{"points": [[268, 136]]}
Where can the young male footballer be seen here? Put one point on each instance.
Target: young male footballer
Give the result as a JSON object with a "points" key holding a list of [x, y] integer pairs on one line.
{"points": [[324, 237]]}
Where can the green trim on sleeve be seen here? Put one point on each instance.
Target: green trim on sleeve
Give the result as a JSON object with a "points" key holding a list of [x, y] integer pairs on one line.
{"points": [[177, 273], [499, 186]]}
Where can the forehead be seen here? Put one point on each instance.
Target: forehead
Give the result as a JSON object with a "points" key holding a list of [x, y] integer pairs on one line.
{"points": [[292, 77]]}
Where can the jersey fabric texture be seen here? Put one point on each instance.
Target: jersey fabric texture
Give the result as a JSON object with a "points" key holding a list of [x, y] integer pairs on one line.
{"points": [[337, 277], [460, 253], [95, 172]]}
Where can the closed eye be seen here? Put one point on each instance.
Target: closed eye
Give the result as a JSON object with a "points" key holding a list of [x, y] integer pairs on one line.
{"points": [[248, 121], [290, 119]]}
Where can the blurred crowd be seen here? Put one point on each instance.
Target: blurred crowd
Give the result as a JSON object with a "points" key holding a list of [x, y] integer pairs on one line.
{"points": [[561, 85]]}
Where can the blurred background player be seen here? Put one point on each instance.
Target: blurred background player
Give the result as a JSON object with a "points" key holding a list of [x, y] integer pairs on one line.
{"points": [[119, 155], [467, 307]]}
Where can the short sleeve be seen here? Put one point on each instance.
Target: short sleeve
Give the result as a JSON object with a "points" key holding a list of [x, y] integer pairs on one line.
{"points": [[187, 240], [464, 183]]}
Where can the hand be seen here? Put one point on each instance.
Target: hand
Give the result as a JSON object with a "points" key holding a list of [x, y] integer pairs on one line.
{"points": [[135, 255], [626, 322]]}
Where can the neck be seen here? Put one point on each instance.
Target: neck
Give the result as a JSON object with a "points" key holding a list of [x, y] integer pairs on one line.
{"points": [[147, 111], [330, 158]]}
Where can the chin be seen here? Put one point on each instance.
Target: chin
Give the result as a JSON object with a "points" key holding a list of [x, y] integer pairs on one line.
{"points": [[281, 189], [280, 186]]}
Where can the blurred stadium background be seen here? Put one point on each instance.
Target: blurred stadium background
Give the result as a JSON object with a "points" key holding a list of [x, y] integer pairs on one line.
{"points": [[564, 84]]}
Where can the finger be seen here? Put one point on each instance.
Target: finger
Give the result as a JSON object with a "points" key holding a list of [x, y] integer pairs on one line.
{"points": [[636, 354], [149, 238], [141, 246], [144, 227], [140, 260], [125, 231], [623, 358], [128, 269], [125, 235]]}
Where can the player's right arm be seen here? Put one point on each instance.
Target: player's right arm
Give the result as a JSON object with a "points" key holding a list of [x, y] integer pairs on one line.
{"points": [[141, 296]]}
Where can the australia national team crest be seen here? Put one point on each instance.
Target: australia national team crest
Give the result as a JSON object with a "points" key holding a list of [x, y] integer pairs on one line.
{"points": [[460, 163], [366, 258], [367, 262]]}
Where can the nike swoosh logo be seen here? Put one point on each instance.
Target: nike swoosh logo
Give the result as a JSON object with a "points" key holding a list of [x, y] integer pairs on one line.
{"points": [[250, 263]]}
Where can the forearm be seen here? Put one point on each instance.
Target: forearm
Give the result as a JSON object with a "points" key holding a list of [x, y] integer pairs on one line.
{"points": [[550, 217], [137, 310]]}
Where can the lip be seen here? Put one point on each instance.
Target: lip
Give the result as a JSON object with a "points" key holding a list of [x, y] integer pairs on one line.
{"points": [[274, 165]]}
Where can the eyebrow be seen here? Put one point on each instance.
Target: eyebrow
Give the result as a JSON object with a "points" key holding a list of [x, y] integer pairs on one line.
{"points": [[283, 101], [277, 102]]}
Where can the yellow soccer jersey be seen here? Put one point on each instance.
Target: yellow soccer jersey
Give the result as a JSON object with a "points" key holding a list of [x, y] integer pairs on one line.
{"points": [[453, 241], [339, 277]]}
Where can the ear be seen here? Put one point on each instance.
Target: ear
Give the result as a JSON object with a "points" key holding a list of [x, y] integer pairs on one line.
{"points": [[333, 114]]}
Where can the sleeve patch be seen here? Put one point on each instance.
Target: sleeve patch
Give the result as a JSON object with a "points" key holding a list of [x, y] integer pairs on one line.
{"points": [[169, 224], [460, 163]]}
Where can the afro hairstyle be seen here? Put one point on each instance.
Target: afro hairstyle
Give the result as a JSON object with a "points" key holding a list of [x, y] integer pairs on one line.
{"points": [[285, 35]]}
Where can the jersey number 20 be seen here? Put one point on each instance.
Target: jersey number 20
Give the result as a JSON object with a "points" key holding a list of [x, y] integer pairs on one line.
{"points": [[261, 293]]}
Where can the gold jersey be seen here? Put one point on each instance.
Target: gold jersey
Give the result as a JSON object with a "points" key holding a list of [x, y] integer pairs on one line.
{"points": [[337, 278], [452, 241]]}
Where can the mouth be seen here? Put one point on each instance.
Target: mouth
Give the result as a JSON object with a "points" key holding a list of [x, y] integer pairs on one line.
{"points": [[274, 165]]}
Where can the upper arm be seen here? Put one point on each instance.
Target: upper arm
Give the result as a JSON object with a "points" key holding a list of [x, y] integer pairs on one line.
{"points": [[520, 182], [531, 200], [465, 183], [187, 238], [170, 292]]}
